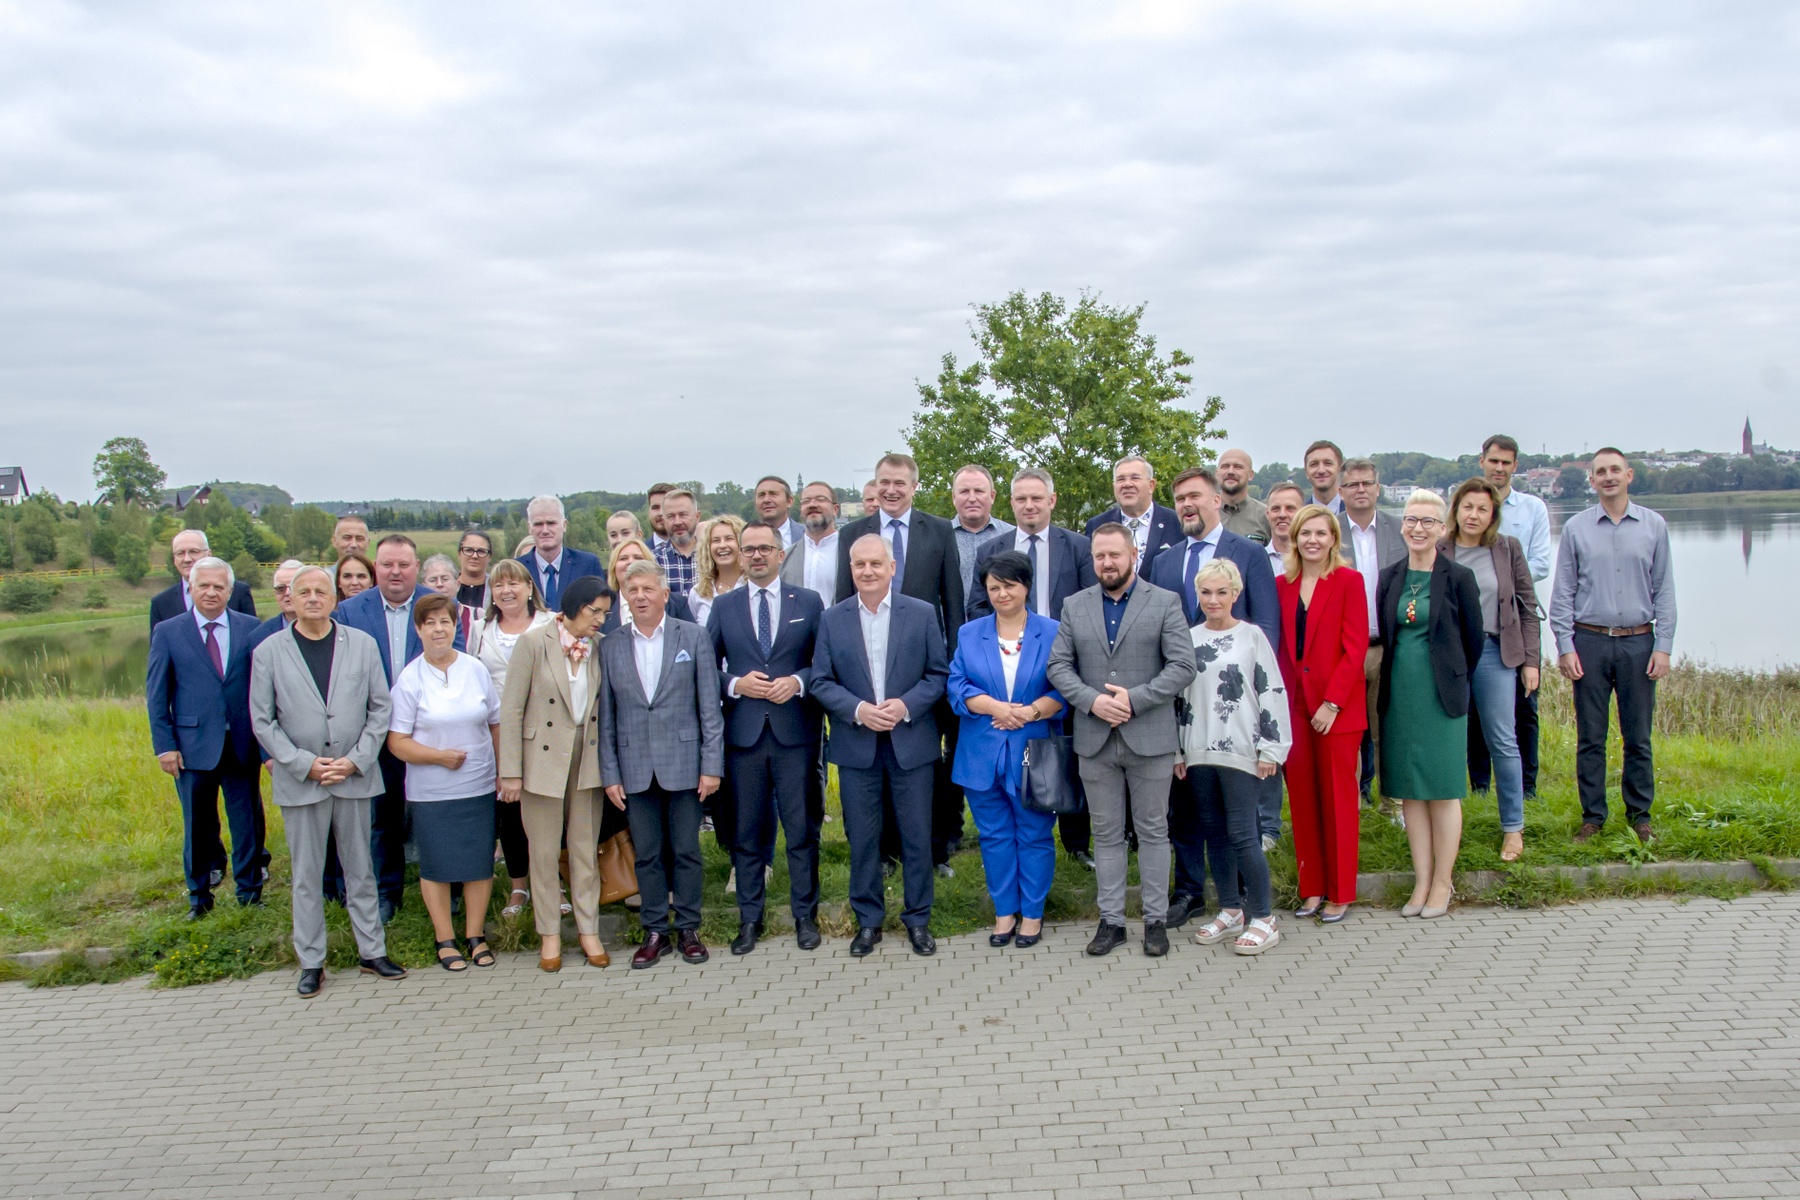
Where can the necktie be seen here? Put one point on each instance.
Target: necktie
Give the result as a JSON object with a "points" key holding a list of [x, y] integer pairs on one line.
{"points": [[550, 593], [1135, 524], [1037, 573], [212, 648], [899, 531], [1189, 600], [765, 636]]}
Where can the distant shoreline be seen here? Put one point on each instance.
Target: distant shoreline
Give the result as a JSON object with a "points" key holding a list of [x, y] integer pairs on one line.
{"points": [[1721, 499]]}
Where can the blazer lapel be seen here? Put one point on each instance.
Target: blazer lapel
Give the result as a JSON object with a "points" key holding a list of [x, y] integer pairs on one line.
{"points": [[855, 637], [893, 644], [790, 604], [1132, 606], [559, 668], [670, 637]]}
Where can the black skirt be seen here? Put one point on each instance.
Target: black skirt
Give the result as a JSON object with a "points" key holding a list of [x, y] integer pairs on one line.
{"points": [[455, 838]]}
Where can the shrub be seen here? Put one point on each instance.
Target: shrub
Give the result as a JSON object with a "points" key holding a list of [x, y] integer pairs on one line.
{"points": [[24, 594], [131, 558], [96, 595], [105, 542], [37, 534], [248, 572], [74, 553]]}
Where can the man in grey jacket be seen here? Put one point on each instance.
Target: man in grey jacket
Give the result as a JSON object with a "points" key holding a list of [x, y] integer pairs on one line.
{"points": [[1372, 543], [319, 705], [1121, 656]]}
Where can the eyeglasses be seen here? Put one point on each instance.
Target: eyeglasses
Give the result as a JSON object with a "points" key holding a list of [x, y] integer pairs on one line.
{"points": [[1420, 522], [759, 551], [474, 553], [1356, 485], [282, 589]]}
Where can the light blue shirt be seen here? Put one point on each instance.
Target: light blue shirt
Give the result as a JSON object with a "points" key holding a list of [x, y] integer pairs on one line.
{"points": [[398, 619], [1614, 573], [221, 632], [1525, 517]]}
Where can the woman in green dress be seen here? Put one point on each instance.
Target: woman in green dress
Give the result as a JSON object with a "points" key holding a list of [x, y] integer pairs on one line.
{"points": [[1429, 608]]}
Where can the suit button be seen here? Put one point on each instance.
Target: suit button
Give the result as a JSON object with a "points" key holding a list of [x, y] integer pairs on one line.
{"points": [[548, 724], [543, 747], [1113, 674], [553, 699]]}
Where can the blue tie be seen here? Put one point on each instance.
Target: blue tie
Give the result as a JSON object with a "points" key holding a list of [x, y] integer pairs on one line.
{"points": [[1036, 574], [1188, 599], [550, 592], [899, 530], [765, 637]]}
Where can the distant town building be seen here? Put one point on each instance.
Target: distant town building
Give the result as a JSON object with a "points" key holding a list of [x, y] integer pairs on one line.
{"points": [[187, 496], [13, 488]]}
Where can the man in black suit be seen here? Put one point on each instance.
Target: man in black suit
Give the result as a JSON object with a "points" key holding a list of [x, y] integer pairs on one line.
{"points": [[926, 567], [189, 547], [763, 634], [1152, 526]]}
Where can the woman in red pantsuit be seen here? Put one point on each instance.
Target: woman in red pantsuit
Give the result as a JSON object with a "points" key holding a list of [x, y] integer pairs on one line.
{"points": [[1325, 637]]}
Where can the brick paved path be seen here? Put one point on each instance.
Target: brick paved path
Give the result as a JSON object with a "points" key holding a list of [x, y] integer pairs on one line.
{"points": [[1625, 1049]]}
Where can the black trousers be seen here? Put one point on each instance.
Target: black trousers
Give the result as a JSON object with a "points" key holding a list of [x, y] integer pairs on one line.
{"points": [[860, 791], [1614, 667], [770, 780], [947, 800], [665, 826], [1187, 838], [387, 839], [513, 844], [241, 785], [1525, 723]]}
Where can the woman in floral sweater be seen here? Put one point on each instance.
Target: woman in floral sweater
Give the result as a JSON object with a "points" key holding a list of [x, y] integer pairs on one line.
{"points": [[1237, 734]]}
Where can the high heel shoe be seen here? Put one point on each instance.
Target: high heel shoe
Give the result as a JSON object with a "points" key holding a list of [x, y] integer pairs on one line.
{"points": [[1026, 941], [1430, 913], [1411, 910], [552, 965], [997, 940]]}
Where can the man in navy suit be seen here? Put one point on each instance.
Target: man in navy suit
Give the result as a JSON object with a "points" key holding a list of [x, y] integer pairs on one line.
{"points": [[763, 634], [879, 668], [281, 583], [384, 612], [1199, 504], [552, 564], [197, 689], [1061, 562], [189, 547], [1152, 526]]}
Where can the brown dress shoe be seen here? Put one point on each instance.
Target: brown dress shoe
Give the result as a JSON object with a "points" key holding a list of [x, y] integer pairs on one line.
{"points": [[551, 965], [1588, 830], [1642, 829], [655, 946], [691, 947], [602, 959]]}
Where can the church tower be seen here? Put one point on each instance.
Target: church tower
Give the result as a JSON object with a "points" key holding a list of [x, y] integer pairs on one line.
{"points": [[1747, 438]]}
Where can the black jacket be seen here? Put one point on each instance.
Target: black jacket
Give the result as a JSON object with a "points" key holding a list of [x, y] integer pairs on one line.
{"points": [[1456, 635], [1070, 556], [933, 570]]}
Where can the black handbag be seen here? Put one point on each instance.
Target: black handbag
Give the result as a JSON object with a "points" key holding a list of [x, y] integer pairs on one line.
{"points": [[1045, 786]]}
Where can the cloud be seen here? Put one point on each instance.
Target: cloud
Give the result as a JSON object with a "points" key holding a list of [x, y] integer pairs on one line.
{"points": [[443, 250]]}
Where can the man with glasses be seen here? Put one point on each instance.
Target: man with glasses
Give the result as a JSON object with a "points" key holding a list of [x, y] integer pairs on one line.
{"points": [[1150, 524], [1372, 540]]}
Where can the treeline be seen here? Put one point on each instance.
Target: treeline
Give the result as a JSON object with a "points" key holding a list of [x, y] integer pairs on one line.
{"points": [[1718, 473]]}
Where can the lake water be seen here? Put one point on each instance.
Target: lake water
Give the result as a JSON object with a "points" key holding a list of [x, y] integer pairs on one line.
{"points": [[1733, 567]]}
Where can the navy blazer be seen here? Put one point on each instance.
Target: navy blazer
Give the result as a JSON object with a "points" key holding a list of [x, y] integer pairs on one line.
{"points": [[916, 673], [365, 611], [677, 607], [1165, 530], [190, 706], [267, 630], [576, 563], [170, 603], [986, 755], [732, 627], [1257, 603], [1071, 566]]}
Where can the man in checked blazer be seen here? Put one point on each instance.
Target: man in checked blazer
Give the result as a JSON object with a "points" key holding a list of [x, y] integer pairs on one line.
{"points": [[662, 751], [1121, 656]]}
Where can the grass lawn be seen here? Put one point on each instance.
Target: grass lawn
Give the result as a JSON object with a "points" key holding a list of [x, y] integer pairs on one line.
{"points": [[90, 836]]}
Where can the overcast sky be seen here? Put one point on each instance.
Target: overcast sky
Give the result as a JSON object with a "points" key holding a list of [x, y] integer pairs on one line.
{"points": [[448, 250]]}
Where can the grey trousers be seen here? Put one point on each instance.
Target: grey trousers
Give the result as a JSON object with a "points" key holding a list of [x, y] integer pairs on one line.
{"points": [[308, 825], [1114, 778]]}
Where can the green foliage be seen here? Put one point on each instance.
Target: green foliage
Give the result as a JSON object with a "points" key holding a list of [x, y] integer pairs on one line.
{"points": [[587, 530], [104, 542], [95, 597], [131, 558], [74, 551], [308, 532], [27, 594], [264, 545], [247, 570], [36, 533], [1572, 482], [124, 472], [1069, 390]]}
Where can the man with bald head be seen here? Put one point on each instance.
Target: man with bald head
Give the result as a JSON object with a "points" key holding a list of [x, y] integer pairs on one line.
{"points": [[188, 548], [1239, 511]]}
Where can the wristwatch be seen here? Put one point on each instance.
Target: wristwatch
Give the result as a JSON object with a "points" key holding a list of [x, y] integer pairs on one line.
{"points": [[1334, 708]]}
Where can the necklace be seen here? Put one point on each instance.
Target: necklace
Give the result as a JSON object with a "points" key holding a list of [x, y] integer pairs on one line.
{"points": [[1412, 602]]}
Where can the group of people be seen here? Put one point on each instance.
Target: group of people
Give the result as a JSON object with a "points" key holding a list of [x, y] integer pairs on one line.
{"points": [[1150, 682]]}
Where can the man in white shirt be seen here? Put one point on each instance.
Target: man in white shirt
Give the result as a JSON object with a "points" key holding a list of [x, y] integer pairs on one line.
{"points": [[1372, 542], [1525, 517], [812, 562], [1151, 526], [1323, 463], [1284, 502]]}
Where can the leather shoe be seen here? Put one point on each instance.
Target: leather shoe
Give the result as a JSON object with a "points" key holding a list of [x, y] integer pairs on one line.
{"points": [[806, 933], [1179, 908], [311, 980], [1588, 830], [692, 949], [745, 941], [602, 959], [550, 966], [922, 941], [864, 941], [1106, 939], [198, 912], [384, 966], [1156, 939], [1642, 829], [654, 947]]}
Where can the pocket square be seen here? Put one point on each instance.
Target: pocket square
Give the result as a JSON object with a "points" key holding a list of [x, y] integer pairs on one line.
{"points": [[682, 656], [797, 621]]}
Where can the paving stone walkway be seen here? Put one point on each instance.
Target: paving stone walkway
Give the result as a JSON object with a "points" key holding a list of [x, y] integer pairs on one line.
{"points": [[1639, 1049]]}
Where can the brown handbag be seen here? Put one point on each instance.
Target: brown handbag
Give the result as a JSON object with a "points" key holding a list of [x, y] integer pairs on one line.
{"points": [[618, 868]]}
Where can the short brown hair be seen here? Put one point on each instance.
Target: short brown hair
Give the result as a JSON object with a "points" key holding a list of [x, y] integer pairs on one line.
{"points": [[1503, 442], [1206, 473], [1286, 485], [657, 489], [1613, 450], [1323, 444], [1360, 464], [436, 602], [1114, 527], [398, 539], [893, 459], [785, 486], [1491, 534]]}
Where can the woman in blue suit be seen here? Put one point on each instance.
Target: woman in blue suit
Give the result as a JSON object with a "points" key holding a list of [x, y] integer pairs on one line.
{"points": [[999, 689]]}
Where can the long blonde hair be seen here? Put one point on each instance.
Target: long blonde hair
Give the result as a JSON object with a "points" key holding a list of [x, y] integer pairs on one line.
{"points": [[706, 571], [1290, 558], [612, 566]]}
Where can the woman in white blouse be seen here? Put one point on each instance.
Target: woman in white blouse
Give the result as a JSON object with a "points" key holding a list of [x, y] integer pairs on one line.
{"points": [[445, 723], [1238, 735], [513, 607], [719, 565]]}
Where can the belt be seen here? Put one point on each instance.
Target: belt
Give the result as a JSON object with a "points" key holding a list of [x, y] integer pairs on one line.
{"points": [[1615, 630]]}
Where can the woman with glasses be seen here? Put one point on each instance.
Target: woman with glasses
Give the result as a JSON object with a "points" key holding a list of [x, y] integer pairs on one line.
{"points": [[474, 557], [1429, 609]]}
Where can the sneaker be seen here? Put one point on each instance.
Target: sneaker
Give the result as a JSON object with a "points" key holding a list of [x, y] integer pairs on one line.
{"points": [[1084, 858], [946, 871], [1269, 842], [1106, 939], [731, 883]]}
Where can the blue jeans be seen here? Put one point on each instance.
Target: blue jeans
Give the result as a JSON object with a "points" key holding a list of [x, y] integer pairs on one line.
{"points": [[1494, 684], [1018, 852]]}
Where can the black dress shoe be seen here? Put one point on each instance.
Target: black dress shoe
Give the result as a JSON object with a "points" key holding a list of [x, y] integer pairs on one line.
{"points": [[864, 941], [997, 940], [1106, 939], [198, 912], [251, 901], [806, 933], [311, 980], [922, 941], [1026, 941], [692, 950], [384, 966], [1156, 939], [1179, 908], [745, 941], [217, 877]]}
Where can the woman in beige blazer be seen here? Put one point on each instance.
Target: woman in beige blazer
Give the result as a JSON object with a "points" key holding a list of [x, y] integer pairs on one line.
{"points": [[550, 761]]}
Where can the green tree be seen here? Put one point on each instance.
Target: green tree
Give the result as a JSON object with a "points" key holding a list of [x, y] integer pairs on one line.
{"points": [[309, 531], [37, 534], [1572, 484], [1066, 389], [131, 558], [124, 471]]}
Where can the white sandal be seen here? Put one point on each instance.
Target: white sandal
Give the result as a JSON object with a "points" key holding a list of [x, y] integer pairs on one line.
{"points": [[1219, 928], [566, 907], [1258, 936], [514, 909]]}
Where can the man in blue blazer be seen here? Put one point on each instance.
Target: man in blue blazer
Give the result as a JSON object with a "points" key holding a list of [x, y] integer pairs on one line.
{"points": [[763, 634], [1151, 525], [1061, 562], [189, 547], [197, 689], [552, 564], [282, 583], [384, 612], [878, 669]]}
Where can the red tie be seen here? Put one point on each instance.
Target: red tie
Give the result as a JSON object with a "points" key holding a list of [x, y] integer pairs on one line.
{"points": [[212, 649]]}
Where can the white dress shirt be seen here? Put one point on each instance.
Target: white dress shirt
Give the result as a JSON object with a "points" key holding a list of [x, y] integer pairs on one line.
{"points": [[756, 593], [1141, 534], [1040, 579], [647, 650], [451, 709], [1368, 562], [1277, 560], [818, 570], [875, 641], [221, 632]]}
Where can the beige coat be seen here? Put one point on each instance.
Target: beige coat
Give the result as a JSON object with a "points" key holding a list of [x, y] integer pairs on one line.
{"points": [[537, 733]]}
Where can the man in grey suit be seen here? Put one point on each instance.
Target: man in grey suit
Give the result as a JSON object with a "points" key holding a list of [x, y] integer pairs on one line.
{"points": [[1121, 656], [319, 705], [1372, 542], [662, 751]]}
